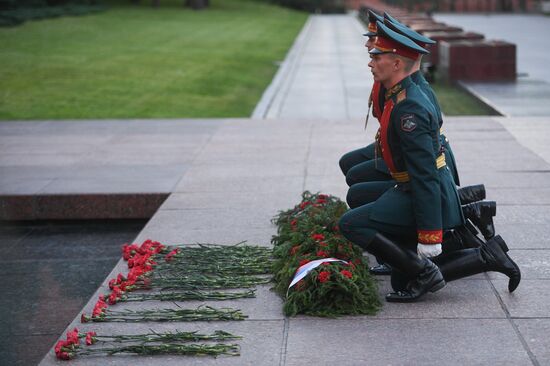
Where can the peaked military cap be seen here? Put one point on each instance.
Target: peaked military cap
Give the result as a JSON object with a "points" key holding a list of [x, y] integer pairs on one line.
{"points": [[389, 41], [371, 28], [401, 28]]}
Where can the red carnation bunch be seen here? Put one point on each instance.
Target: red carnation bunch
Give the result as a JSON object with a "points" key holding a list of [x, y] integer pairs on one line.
{"points": [[324, 276], [140, 263], [317, 238], [67, 349]]}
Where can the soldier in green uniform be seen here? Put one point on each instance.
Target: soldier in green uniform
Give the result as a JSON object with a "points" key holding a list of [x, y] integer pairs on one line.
{"points": [[405, 225], [365, 179], [480, 213], [359, 165]]}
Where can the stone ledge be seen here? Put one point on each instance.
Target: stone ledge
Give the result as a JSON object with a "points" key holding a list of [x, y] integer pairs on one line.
{"points": [[80, 206]]}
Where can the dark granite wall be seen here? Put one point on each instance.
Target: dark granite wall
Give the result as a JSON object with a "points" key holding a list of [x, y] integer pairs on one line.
{"points": [[48, 271]]}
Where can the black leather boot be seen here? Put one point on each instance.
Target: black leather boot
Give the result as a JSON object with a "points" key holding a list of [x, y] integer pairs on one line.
{"points": [[495, 254], [491, 256], [471, 194], [461, 238], [426, 275], [430, 279], [481, 214]]}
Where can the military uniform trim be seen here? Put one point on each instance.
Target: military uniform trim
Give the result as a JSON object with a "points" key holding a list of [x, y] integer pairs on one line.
{"points": [[403, 177], [383, 139], [375, 97], [430, 236], [393, 90]]}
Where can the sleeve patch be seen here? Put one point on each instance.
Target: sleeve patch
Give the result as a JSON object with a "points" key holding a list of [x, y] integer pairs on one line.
{"points": [[408, 123]]}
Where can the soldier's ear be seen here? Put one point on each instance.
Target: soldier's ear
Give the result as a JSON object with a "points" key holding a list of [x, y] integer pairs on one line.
{"points": [[396, 63]]}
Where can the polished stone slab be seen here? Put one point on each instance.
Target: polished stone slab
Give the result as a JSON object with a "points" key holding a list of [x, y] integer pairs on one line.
{"points": [[473, 298], [404, 342], [534, 264], [530, 300], [535, 333], [49, 270], [76, 169]]}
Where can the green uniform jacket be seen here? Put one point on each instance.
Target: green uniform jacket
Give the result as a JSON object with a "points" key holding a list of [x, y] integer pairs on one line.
{"points": [[419, 80], [410, 142]]}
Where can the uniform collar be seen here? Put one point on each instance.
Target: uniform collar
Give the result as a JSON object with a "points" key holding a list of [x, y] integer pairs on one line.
{"points": [[416, 76], [394, 90]]}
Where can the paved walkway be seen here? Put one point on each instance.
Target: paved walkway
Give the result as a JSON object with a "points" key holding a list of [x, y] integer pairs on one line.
{"points": [[530, 93], [325, 74], [235, 174]]}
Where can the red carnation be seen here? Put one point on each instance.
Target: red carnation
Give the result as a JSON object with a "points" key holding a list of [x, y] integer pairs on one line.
{"points": [[59, 345], [90, 338], [318, 237], [64, 356], [300, 286], [346, 273], [323, 277], [84, 318], [304, 204], [294, 249], [322, 253], [169, 256], [112, 283], [303, 261]]}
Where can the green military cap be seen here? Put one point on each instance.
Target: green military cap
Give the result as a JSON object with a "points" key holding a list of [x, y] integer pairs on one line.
{"points": [[401, 28], [389, 41], [373, 18]]}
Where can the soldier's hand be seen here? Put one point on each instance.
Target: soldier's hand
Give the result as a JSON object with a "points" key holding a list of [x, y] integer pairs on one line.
{"points": [[428, 250]]}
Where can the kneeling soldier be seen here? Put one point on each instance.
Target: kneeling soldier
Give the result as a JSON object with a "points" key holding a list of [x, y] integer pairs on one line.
{"points": [[410, 217]]}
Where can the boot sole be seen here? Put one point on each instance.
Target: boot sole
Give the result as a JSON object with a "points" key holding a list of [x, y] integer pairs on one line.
{"points": [[438, 286], [492, 207]]}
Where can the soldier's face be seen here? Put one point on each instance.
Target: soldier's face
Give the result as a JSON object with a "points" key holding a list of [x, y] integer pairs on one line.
{"points": [[382, 66]]}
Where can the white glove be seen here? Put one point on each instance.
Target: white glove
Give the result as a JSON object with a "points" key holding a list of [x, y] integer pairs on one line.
{"points": [[428, 250]]}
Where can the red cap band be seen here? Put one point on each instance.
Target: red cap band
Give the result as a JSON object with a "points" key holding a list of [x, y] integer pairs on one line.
{"points": [[388, 45]]}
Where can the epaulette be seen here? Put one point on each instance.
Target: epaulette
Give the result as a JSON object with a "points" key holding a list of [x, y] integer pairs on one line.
{"points": [[394, 89], [401, 96]]}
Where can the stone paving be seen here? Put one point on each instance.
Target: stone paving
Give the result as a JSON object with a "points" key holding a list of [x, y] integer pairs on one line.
{"points": [[237, 173], [471, 321], [325, 74], [529, 94]]}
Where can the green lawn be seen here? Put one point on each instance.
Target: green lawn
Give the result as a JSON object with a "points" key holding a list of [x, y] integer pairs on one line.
{"points": [[136, 61], [457, 102]]}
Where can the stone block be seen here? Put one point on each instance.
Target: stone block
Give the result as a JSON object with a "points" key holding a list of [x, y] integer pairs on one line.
{"points": [[530, 300], [479, 60], [535, 332], [404, 342], [468, 298]]}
